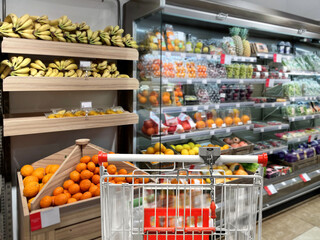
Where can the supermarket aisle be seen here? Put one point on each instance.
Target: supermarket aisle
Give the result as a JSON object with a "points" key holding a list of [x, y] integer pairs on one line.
{"points": [[301, 222]]}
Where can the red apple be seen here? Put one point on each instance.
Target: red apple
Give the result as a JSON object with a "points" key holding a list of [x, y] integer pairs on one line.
{"points": [[144, 129], [148, 124]]}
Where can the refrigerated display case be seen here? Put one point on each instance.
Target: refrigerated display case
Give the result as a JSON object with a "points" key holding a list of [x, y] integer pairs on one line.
{"points": [[212, 70]]}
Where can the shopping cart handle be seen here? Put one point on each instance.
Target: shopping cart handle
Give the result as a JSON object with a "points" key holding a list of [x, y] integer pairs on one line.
{"points": [[263, 159]]}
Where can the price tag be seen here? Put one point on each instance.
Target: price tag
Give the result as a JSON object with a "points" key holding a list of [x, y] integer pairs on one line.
{"points": [[252, 59], [241, 81], [269, 82], [312, 116], [270, 189], [209, 57], [85, 65], [259, 68], [183, 109], [168, 54], [318, 171], [189, 81], [165, 81], [217, 106], [249, 122], [293, 119], [280, 127], [212, 132], [273, 105], [240, 123], [213, 125], [310, 138], [195, 108], [284, 183], [277, 58], [271, 152], [222, 95], [293, 99], [304, 117], [198, 56], [247, 127], [223, 58], [206, 107], [183, 55], [86, 104], [262, 105], [218, 81], [182, 136], [237, 105], [223, 125], [228, 130], [204, 81], [44, 219], [299, 139], [285, 104], [262, 130], [294, 180], [304, 177]]}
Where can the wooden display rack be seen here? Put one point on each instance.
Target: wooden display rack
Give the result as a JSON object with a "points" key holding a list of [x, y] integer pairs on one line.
{"points": [[77, 220]]}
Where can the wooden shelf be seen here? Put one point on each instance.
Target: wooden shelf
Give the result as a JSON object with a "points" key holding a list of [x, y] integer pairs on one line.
{"points": [[29, 84], [51, 48], [40, 124]]}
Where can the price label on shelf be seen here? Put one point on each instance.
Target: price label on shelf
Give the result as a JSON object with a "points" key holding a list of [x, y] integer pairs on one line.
{"points": [[240, 123], [247, 127], [270, 189], [228, 130], [304, 177], [284, 183], [237, 105], [311, 138], [280, 127], [241, 81], [312, 116], [223, 125], [249, 122], [252, 59], [262, 105], [198, 56], [204, 81], [225, 59], [277, 58], [85, 65], [206, 107], [304, 117], [213, 125], [259, 68], [44, 219], [262, 130], [217, 106], [195, 108], [271, 152], [273, 104], [269, 82], [212, 132], [165, 81], [182, 136], [183, 109], [294, 180], [189, 81], [86, 104], [218, 81], [208, 56]]}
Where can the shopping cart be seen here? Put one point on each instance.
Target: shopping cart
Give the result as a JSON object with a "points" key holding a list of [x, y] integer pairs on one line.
{"points": [[182, 204]]}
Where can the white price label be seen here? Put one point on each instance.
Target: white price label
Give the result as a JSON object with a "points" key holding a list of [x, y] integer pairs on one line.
{"points": [[183, 109], [208, 57], [249, 122], [189, 81], [318, 171], [284, 183], [228, 130], [165, 81], [299, 139], [219, 81], [312, 116], [222, 95], [304, 117], [86, 104], [217, 106], [270, 189], [293, 99], [284, 104], [259, 68], [223, 125], [277, 58], [247, 127], [228, 59], [85, 65], [237, 105], [50, 217], [204, 81], [252, 59], [304, 177], [195, 108], [273, 105], [271, 152], [280, 127], [262, 105], [182, 136], [213, 125], [294, 180], [293, 119], [212, 132], [241, 81], [206, 107], [262, 130], [240, 123]]}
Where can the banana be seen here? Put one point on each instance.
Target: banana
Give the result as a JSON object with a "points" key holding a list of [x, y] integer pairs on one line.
{"points": [[45, 37], [69, 73], [25, 25], [93, 37], [60, 74], [53, 65], [70, 37], [79, 73], [71, 67], [63, 19], [117, 41], [82, 27], [68, 62], [7, 63], [116, 74], [36, 66], [54, 23], [74, 75], [6, 72], [40, 74], [26, 34], [20, 71], [41, 20], [113, 67], [86, 74], [106, 73], [105, 38], [96, 75], [49, 71], [66, 24], [2, 67], [54, 73], [81, 36], [21, 74], [23, 64], [19, 61], [103, 65], [33, 71], [56, 34], [13, 61], [108, 29], [22, 20], [58, 63], [43, 28], [41, 64], [12, 18], [89, 34], [123, 76], [11, 34]]}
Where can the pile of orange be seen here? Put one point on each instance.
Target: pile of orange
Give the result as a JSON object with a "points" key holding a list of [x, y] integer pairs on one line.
{"points": [[144, 96], [178, 96], [166, 99], [35, 179]]}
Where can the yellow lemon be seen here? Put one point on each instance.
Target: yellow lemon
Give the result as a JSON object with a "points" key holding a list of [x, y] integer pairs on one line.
{"points": [[192, 152], [191, 144], [179, 148], [184, 152], [186, 146], [196, 149]]}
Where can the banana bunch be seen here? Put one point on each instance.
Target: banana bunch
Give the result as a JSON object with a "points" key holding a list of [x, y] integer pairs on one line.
{"points": [[82, 26], [42, 31], [123, 76], [115, 34], [19, 25], [66, 25], [16, 66], [56, 34], [81, 73], [81, 37], [105, 38], [41, 20], [129, 42], [6, 30], [64, 65], [70, 37], [93, 37], [105, 70]]}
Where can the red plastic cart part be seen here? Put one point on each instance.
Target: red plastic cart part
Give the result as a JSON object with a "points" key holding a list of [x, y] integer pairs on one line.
{"points": [[102, 157], [213, 210], [263, 159]]}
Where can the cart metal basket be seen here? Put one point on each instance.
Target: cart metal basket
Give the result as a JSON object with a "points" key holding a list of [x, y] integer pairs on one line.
{"points": [[182, 204]]}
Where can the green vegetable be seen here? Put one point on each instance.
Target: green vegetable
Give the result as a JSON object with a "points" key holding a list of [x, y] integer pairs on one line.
{"points": [[252, 167]]}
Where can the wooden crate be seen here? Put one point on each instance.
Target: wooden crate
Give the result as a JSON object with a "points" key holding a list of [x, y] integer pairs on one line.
{"points": [[79, 220], [241, 150]]}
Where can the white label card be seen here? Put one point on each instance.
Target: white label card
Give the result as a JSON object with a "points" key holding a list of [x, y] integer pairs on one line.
{"points": [[85, 65], [206, 107], [213, 125], [50, 217], [237, 104], [228, 130], [168, 54], [204, 81], [219, 81], [189, 81], [198, 56], [223, 125], [304, 177], [183, 109], [212, 132], [270, 189], [86, 104], [195, 108], [165, 81], [183, 55], [182, 136], [262, 130]]}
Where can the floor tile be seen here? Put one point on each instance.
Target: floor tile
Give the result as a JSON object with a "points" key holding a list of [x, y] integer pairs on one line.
{"points": [[308, 212], [312, 234]]}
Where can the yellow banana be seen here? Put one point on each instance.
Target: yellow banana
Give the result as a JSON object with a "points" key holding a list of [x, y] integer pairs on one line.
{"points": [[24, 63], [21, 70], [54, 73], [33, 71], [60, 74], [2, 67], [40, 74], [6, 72], [36, 66], [72, 67], [79, 72], [49, 71], [123, 76], [41, 64]]}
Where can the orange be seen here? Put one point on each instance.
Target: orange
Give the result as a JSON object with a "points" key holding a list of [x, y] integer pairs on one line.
{"points": [[86, 174], [95, 179], [46, 178], [91, 166], [145, 93], [112, 169], [122, 172], [150, 131], [86, 195], [80, 167], [54, 168], [97, 171], [129, 179], [136, 181], [67, 183], [197, 116], [153, 99], [47, 169], [200, 125], [45, 202], [75, 176], [97, 192], [85, 185], [219, 122], [228, 121], [157, 147], [119, 179], [77, 196], [67, 193], [92, 184], [150, 150], [30, 200], [39, 173], [112, 182], [145, 180], [52, 198], [26, 170], [74, 188], [71, 200], [245, 119], [85, 159], [60, 199], [92, 189], [209, 123], [166, 98], [29, 179], [236, 120], [31, 189], [142, 99], [105, 164], [95, 159], [169, 152], [57, 191]]}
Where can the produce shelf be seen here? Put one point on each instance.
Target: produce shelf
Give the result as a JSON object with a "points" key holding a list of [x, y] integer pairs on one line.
{"points": [[301, 118], [203, 56], [306, 98], [270, 55], [15, 126], [201, 107], [52, 48], [304, 73], [271, 150], [271, 104], [207, 132], [303, 138], [215, 80], [26, 84], [271, 128]]}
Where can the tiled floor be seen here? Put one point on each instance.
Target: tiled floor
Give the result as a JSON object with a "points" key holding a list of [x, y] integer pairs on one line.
{"points": [[299, 223]]}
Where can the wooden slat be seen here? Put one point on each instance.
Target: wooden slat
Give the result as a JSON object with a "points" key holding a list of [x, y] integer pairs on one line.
{"points": [[51, 48], [35, 125], [26, 84]]}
